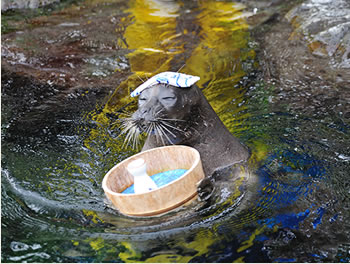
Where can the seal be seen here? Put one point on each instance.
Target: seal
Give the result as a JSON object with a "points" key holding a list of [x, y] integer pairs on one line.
{"points": [[172, 115]]}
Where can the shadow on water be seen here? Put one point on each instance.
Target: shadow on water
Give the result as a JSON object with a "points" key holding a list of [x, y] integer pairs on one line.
{"points": [[295, 198]]}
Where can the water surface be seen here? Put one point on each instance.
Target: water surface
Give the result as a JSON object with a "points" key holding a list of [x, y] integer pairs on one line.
{"points": [[294, 207]]}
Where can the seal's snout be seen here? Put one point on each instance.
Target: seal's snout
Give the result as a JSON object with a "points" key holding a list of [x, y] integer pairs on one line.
{"points": [[145, 115], [145, 112], [148, 113]]}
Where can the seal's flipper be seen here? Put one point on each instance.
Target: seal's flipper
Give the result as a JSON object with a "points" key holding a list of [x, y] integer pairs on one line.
{"points": [[205, 189]]}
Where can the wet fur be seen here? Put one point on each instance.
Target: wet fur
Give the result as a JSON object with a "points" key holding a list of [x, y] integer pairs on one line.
{"points": [[183, 116]]}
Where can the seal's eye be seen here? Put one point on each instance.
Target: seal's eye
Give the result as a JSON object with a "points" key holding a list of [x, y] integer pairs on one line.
{"points": [[142, 100], [168, 101], [168, 98]]}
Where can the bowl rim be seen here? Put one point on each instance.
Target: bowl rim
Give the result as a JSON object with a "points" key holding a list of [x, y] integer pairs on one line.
{"points": [[108, 190]]}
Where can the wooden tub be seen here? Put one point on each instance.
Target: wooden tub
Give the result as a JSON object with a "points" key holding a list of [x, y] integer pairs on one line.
{"points": [[164, 198]]}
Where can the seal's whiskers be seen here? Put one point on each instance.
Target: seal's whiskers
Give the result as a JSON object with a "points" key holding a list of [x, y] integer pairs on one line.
{"points": [[126, 127], [171, 126], [140, 78], [149, 128], [159, 133], [165, 128], [181, 67], [129, 136], [158, 112], [161, 127], [131, 129], [172, 119], [136, 139]]}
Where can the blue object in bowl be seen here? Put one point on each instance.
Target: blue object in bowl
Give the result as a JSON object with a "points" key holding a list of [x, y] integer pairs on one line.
{"points": [[160, 179]]}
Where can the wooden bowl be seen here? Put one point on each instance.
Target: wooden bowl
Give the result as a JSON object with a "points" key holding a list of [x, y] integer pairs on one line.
{"points": [[164, 198]]}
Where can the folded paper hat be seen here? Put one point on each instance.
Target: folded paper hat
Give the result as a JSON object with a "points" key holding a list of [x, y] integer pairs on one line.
{"points": [[173, 78]]}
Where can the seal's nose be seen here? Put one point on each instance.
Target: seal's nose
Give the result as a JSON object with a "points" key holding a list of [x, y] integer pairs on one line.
{"points": [[145, 111], [145, 115], [151, 111]]}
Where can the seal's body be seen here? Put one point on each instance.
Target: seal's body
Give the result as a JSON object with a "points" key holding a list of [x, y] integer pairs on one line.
{"points": [[171, 115]]}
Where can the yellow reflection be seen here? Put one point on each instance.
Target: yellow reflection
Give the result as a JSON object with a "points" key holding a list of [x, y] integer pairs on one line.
{"points": [[200, 245], [248, 243], [97, 243], [93, 215], [217, 59], [151, 38], [130, 254], [148, 37], [154, 41]]}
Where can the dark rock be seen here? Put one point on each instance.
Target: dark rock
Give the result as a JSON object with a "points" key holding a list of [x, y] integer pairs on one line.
{"points": [[305, 79], [325, 25], [61, 64]]}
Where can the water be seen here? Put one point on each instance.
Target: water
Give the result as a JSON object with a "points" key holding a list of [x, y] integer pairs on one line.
{"points": [[294, 207]]}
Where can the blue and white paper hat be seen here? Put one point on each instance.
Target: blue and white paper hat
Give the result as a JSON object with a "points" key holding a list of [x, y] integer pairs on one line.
{"points": [[173, 78]]}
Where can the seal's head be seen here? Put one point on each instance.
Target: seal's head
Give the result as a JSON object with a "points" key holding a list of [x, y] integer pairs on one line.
{"points": [[163, 112], [162, 101]]}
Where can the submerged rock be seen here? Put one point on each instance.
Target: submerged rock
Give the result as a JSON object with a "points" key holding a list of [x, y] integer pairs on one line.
{"points": [[325, 25], [68, 48], [306, 57], [51, 64], [12, 4]]}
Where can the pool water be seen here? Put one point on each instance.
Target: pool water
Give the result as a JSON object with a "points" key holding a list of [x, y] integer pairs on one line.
{"points": [[292, 205], [160, 179]]}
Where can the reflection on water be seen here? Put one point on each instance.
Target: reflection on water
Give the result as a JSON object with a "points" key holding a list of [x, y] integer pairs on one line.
{"points": [[53, 206]]}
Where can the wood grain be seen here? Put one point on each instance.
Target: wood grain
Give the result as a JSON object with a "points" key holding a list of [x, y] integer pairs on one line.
{"points": [[162, 199]]}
